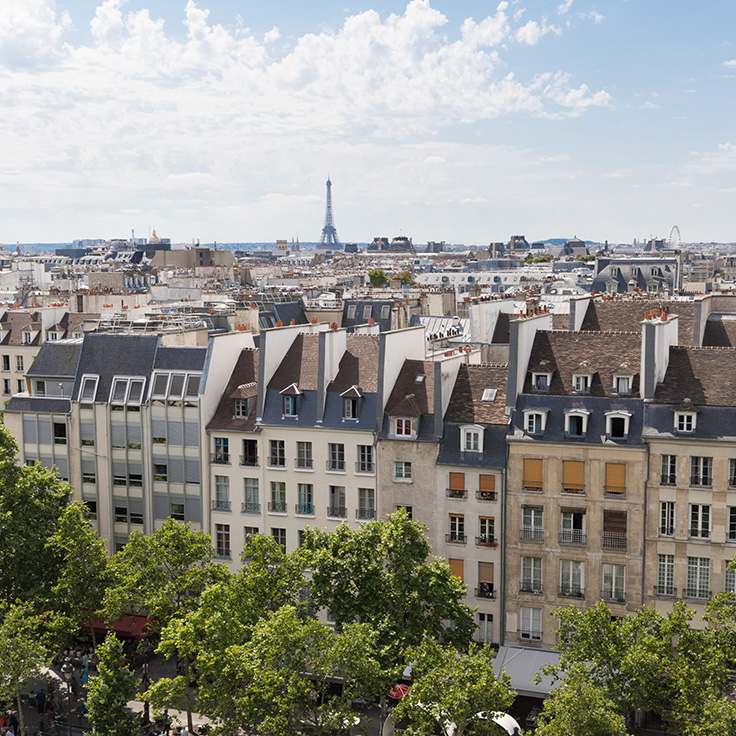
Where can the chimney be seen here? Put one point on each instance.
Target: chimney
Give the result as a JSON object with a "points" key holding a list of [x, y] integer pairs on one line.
{"points": [[659, 334]]}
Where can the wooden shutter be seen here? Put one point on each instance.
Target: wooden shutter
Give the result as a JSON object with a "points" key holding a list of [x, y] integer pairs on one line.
{"points": [[457, 481], [615, 478], [488, 483], [533, 474], [573, 474], [457, 568], [614, 521], [485, 572]]}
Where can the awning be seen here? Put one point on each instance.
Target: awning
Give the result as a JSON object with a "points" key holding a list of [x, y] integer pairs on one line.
{"points": [[130, 626], [522, 665]]}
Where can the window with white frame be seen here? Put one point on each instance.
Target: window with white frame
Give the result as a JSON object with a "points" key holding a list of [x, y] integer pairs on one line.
{"points": [[571, 578], [614, 579], [472, 439], [576, 423], [532, 523], [240, 408], [729, 578], [26, 338], [402, 470], [572, 527], [699, 521], [698, 577], [617, 424], [335, 456], [732, 473], [531, 574], [541, 381], [485, 628], [731, 528], [668, 474], [701, 471], [290, 406], [304, 455], [457, 528], [666, 575], [222, 493], [535, 421], [251, 504], [622, 384], [19, 363], [581, 383], [350, 408], [685, 421], [530, 627], [403, 427], [667, 519]]}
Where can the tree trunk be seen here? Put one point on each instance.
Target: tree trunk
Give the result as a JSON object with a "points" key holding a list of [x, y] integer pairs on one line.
{"points": [[20, 712], [187, 680], [384, 714]]}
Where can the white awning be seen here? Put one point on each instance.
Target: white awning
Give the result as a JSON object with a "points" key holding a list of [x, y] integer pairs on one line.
{"points": [[522, 665]]}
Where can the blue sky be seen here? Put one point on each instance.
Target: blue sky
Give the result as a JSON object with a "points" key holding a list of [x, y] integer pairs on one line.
{"points": [[459, 121]]}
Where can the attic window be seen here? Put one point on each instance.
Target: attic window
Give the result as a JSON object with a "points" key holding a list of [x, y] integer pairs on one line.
{"points": [[581, 383], [541, 381], [489, 395], [419, 378], [89, 389]]}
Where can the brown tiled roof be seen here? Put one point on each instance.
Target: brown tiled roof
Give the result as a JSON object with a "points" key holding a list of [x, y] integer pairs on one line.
{"points": [[16, 322], [600, 354], [358, 365], [466, 404], [412, 398], [628, 314], [706, 376], [73, 322], [242, 385], [300, 365], [719, 333]]}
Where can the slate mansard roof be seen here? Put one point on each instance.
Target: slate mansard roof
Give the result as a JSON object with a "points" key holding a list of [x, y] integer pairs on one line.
{"points": [[467, 405], [56, 359]]}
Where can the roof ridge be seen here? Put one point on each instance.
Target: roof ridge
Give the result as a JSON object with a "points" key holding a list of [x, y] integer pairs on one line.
{"points": [[591, 332]]}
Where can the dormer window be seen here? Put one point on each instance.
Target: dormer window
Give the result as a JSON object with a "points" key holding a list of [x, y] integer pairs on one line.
{"points": [[26, 338], [541, 381], [289, 406], [240, 408], [617, 424], [576, 423], [535, 421], [622, 384], [350, 408], [581, 383], [685, 421], [89, 389], [52, 336], [472, 439], [403, 427], [290, 398]]}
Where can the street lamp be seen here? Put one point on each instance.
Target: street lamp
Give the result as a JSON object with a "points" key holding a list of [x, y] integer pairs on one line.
{"points": [[67, 671]]}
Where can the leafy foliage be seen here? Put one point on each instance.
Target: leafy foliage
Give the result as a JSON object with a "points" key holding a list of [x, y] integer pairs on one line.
{"points": [[377, 277]]}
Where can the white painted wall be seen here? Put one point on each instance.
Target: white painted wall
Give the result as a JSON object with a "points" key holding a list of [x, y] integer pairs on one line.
{"points": [[398, 346], [483, 317]]}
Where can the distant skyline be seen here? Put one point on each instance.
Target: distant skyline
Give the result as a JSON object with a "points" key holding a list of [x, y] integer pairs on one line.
{"points": [[456, 120]]}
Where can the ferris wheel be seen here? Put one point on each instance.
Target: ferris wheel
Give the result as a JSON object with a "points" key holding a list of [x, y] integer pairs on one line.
{"points": [[675, 239]]}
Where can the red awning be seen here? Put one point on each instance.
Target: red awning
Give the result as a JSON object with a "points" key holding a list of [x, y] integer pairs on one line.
{"points": [[129, 626]]}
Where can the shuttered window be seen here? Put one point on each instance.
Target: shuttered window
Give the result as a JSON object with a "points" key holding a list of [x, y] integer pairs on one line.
{"points": [[457, 481], [532, 474], [485, 572], [615, 478], [614, 530], [488, 482], [457, 568], [573, 473]]}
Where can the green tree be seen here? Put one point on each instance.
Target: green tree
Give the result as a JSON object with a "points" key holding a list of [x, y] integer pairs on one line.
{"points": [[580, 708], [450, 687], [109, 692], [85, 569], [23, 653], [164, 576], [382, 574], [377, 277], [32, 499]]}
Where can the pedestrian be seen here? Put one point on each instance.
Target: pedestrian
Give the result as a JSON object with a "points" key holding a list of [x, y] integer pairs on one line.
{"points": [[85, 660], [184, 731], [85, 674], [41, 702], [32, 699], [166, 721]]}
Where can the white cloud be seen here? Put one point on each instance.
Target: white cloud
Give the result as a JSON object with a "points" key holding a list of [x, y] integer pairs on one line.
{"points": [[564, 7], [596, 17], [730, 63], [272, 35], [31, 33]]}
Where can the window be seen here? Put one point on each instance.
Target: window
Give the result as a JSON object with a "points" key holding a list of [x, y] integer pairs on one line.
{"points": [[572, 476], [367, 309], [6, 362], [532, 474], [26, 338], [457, 486], [485, 628], [6, 386], [350, 408], [699, 521], [541, 381], [305, 494], [457, 568], [531, 624], [666, 575], [249, 457], [385, 311], [729, 579], [240, 408], [365, 459], [337, 507], [19, 363], [617, 425], [222, 493], [576, 423], [472, 439], [668, 476], [160, 382], [684, 421], [572, 527], [613, 583], [532, 528], [121, 514], [732, 473], [249, 532], [731, 530], [667, 519], [622, 384], [534, 421], [351, 311], [177, 510], [222, 540], [571, 578], [403, 428], [698, 577], [41, 388], [581, 383], [336, 456], [222, 450], [615, 478], [402, 470], [277, 455], [289, 406], [486, 487], [366, 503], [614, 530], [487, 531], [531, 574], [91, 509], [21, 386], [304, 455], [277, 503], [160, 471], [701, 471], [251, 504], [457, 528], [280, 536], [53, 335], [119, 389]]}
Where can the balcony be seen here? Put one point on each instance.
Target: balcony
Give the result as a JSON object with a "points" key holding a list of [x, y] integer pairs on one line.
{"points": [[304, 509], [486, 541], [275, 461], [250, 507], [220, 458], [613, 596], [531, 533], [456, 493], [365, 514], [249, 461], [337, 512], [665, 591], [486, 495], [574, 488], [221, 505], [303, 463], [527, 586], [335, 465], [485, 590], [571, 591], [614, 540], [365, 466], [456, 538], [573, 536], [697, 593], [277, 507]]}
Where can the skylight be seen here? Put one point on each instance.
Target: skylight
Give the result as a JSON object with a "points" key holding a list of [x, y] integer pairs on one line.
{"points": [[489, 395]]}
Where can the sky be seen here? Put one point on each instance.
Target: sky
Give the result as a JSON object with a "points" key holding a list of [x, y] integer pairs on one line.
{"points": [[458, 120]]}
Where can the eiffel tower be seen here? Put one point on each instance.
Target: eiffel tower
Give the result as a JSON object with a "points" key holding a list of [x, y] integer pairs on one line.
{"points": [[329, 238]]}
